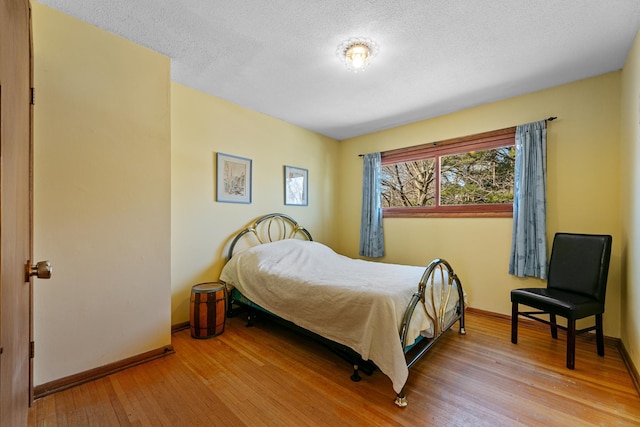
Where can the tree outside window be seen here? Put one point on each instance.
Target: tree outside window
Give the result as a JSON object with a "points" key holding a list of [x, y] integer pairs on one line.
{"points": [[469, 176]]}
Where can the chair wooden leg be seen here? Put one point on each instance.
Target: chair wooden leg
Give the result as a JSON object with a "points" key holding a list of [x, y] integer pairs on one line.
{"points": [[571, 343], [514, 323], [599, 335], [554, 327]]}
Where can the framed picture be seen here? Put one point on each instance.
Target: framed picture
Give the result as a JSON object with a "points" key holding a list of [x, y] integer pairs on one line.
{"points": [[233, 179], [296, 186]]}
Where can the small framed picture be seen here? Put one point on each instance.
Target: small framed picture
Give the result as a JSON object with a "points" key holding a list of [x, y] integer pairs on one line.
{"points": [[233, 179], [296, 186]]}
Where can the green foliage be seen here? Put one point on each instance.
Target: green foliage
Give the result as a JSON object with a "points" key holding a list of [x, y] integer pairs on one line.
{"points": [[474, 178]]}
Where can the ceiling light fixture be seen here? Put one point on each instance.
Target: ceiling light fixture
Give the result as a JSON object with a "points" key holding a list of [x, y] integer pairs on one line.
{"points": [[357, 52]]}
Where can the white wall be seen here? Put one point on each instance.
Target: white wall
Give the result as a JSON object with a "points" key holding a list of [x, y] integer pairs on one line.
{"points": [[101, 197]]}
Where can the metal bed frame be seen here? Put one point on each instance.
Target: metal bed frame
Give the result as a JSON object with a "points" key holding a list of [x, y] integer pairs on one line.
{"points": [[278, 226]]}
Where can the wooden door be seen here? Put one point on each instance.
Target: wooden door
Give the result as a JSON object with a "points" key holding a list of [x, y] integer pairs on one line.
{"points": [[15, 211]]}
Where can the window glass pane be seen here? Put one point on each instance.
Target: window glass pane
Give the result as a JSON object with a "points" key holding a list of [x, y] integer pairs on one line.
{"points": [[408, 184], [477, 177]]}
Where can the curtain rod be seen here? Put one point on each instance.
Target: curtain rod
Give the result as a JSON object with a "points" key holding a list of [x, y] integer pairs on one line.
{"points": [[548, 119]]}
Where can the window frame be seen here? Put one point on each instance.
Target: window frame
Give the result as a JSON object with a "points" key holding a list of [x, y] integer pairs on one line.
{"points": [[477, 142]]}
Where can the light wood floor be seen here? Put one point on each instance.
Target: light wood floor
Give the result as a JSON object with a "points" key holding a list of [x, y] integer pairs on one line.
{"points": [[267, 376]]}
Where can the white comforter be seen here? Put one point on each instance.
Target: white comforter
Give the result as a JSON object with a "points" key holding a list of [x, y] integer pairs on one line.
{"points": [[353, 302]]}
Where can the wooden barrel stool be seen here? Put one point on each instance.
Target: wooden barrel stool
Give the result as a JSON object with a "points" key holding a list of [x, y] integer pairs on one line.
{"points": [[208, 309]]}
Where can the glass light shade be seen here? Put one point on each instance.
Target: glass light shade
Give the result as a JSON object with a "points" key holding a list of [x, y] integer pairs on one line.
{"points": [[356, 53]]}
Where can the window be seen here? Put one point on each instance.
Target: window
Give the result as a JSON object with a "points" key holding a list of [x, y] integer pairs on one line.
{"points": [[468, 176]]}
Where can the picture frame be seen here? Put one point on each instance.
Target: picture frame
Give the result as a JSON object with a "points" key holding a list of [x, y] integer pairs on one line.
{"points": [[233, 178], [296, 186]]}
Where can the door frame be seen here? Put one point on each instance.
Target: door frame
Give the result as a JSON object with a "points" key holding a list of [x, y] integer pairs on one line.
{"points": [[16, 223], [31, 124]]}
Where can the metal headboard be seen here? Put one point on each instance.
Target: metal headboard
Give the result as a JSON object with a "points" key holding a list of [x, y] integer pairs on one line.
{"points": [[271, 228]]}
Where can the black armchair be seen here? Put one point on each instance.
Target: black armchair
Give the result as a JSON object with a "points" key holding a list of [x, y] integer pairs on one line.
{"points": [[576, 288]]}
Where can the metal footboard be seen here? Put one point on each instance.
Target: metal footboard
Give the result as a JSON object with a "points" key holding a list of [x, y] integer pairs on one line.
{"points": [[439, 315]]}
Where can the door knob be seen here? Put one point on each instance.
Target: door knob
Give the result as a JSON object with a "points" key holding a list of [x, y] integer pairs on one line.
{"points": [[41, 270]]}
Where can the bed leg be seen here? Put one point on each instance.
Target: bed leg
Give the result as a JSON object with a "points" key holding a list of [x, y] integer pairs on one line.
{"points": [[462, 331], [250, 317], [401, 400], [356, 375]]}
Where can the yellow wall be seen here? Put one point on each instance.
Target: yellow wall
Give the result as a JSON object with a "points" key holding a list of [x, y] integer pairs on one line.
{"points": [[125, 198], [102, 197], [202, 126], [125, 192], [583, 189], [630, 162]]}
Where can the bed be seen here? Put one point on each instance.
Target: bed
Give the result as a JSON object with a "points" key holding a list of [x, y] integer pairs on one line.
{"points": [[376, 315]]}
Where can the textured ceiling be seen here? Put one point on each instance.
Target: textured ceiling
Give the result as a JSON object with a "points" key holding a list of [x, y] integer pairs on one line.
{"points": [[278, 56]]}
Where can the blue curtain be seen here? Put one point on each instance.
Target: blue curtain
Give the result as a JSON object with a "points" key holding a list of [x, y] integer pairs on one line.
{"points": [[529, 240], [371, 238]]}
